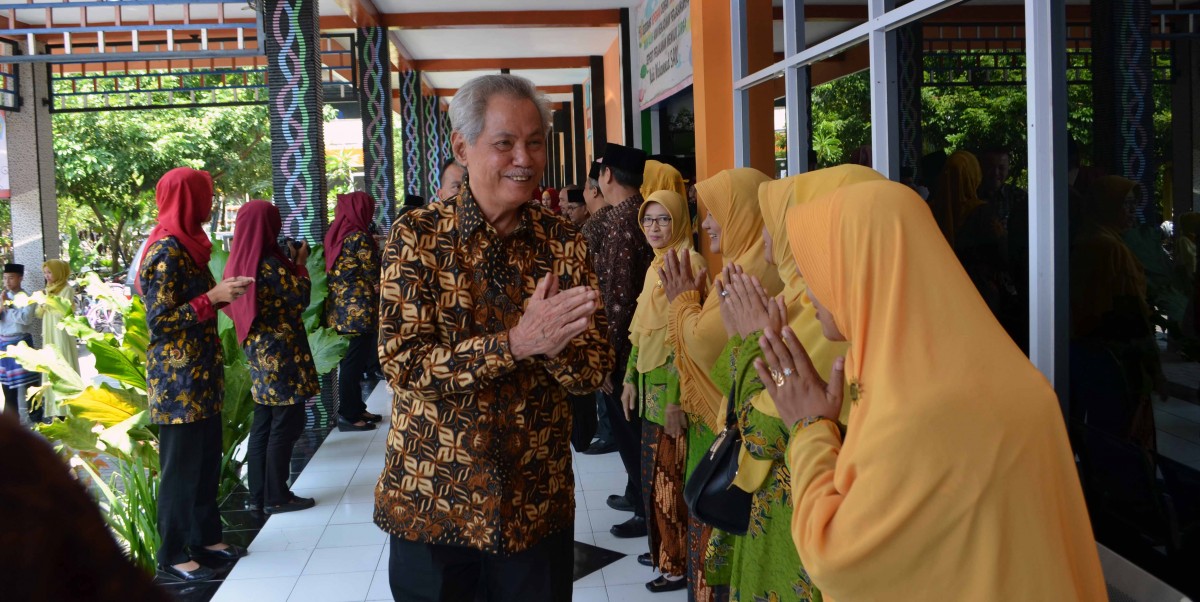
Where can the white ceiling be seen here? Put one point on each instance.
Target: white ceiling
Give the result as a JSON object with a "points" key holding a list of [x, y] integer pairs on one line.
{"points": [[540, 77], [455, 6], [507, 42]]}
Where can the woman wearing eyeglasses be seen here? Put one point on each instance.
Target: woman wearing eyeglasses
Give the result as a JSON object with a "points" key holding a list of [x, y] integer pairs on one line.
{"points": [[652, 389]]}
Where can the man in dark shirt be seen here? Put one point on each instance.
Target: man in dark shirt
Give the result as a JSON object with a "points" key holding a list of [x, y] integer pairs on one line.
{"points": [[622, 263]]}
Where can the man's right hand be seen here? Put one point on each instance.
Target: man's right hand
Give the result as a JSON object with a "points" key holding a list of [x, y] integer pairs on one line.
{"points": [[552, 319]]}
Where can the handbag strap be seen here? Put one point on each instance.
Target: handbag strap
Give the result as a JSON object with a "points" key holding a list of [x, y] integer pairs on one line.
{"points": [[730, 417]]}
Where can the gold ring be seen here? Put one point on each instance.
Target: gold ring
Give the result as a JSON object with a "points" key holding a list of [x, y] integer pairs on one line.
{"points": [[777, 377]]}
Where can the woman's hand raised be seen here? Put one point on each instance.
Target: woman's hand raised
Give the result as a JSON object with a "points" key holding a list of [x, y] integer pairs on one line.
{"points": [[677, 278], [792, 381]]}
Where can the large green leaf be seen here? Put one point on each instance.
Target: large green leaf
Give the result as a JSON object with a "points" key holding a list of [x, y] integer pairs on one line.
{"points": [[116, 363], [72, 431], [65, 380], [130, 439], [137, 331], [216, 263], [106, 405], [328, 348], [315, 311]]}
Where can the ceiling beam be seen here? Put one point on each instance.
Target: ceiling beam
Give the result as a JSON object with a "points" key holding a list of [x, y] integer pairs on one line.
{"points": [[529, 18], [954, 14], [542, 89], [543, 62]]}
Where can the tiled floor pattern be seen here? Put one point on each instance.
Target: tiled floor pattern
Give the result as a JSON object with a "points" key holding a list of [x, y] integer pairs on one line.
{"points": [[334, 553]]}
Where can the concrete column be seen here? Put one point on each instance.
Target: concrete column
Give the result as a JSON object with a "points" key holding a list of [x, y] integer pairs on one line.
{"points": [[34, 201], [296, 99]]}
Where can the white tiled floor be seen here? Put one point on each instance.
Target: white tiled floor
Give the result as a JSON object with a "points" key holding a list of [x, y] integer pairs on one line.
{"points": [[334, 552]]}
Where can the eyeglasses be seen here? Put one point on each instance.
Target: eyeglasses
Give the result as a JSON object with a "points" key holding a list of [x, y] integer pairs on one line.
{"points": [[663, 221]]}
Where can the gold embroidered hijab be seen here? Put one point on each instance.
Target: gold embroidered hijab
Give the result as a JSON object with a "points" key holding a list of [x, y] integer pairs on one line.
{"points": [[732, 198], [648, 331], [956, 480], [660, 176], [61, 271]]}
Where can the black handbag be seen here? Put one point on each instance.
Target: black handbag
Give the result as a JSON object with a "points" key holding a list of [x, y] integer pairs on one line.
{"points": [[710, 492]]}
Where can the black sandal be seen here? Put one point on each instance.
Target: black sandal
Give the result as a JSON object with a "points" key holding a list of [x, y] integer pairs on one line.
{"points": [[662, 584], [369, 417]]}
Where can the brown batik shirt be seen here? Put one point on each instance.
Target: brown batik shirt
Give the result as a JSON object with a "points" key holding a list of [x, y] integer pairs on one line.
{"points": [[623, 260], [478, 449]]}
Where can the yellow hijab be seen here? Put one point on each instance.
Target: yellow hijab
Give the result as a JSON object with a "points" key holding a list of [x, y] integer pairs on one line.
{"points": [[774, 199], [956, 480], [648, 331], [956, 193], [732, 198], [660, 176], [61, 271], [1104, 269]]}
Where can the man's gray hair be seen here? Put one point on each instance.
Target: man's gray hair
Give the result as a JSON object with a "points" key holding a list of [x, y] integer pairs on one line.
{"points": [[469, 107]]}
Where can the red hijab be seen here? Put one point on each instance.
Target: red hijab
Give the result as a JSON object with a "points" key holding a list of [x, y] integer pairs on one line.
{"points": [[553, 199], [184, 197], [353, 213], [254, 238]]}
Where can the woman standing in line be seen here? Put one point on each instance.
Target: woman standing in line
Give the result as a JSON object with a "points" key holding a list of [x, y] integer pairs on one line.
{"points": [[57, 273], [352, 308], [184, 373], [270, 326]]}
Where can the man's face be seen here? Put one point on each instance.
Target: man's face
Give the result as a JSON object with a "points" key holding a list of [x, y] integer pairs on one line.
{"points": [[995, 169], [12, 281], [509, 155], [451, 182], [576, 212]]}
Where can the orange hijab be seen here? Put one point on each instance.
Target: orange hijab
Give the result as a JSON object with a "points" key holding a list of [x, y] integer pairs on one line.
{"points": [[660, 176], [956, 480], [956, 196], [732, 198]]}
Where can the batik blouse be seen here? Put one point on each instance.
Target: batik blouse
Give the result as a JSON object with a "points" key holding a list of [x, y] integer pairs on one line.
{"points": [[353, 303], [185, 374], [282, 371]]}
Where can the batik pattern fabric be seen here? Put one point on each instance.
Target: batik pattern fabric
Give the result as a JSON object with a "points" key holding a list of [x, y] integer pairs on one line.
{"points": [[624, 261], [478, 450], [668, 522], [353, 303], [594, 230], [185, 373], [764, 565], [282, 371], [656, 389]]}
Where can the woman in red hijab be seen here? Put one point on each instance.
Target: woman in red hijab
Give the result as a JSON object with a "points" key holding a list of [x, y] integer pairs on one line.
{"points": [[550, 200], [185, 381], [352, 260], [270, 325]]}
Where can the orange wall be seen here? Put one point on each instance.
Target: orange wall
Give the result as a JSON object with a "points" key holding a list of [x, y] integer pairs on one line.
{"points": [[612, 93]]}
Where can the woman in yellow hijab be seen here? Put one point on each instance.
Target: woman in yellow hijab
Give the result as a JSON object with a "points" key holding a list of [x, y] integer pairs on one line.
{"points": [[734, 225], [955, 480], [60, 304], [765, 564], [660, 176], [652, 383]]}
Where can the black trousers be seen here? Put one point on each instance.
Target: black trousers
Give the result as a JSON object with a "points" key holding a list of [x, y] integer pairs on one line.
{"points": [[10, 400], [350, 373], [190, 457], [421, 572], [583, 420], [269, 452], [628, 436]]}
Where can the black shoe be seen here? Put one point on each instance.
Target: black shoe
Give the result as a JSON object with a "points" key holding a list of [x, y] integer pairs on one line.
{"points": [[346, 425], [600, 448], [372, 418], [618, 502], [292, 505], [634, 527], [201, 574], [645, 560], [254, 507], [662, 584], [224, 555]]}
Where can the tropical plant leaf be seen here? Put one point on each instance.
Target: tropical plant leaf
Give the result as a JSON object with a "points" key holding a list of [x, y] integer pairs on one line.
{"points": [[328, 348], [315, 311], [137, 332], [49, 361], [216, 263], [130, 439], [106, 406], [73, 432], [116, 363]]}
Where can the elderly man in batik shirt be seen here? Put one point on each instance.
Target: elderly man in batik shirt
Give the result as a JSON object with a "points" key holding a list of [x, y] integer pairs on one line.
{"points": [[489, 318]]}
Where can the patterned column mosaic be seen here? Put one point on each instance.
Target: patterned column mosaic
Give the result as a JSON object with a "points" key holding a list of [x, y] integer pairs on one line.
{"points": [[411, 120], [910, 67], [433, 144], [375, 100], [295, 109], [1124, 106]]}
